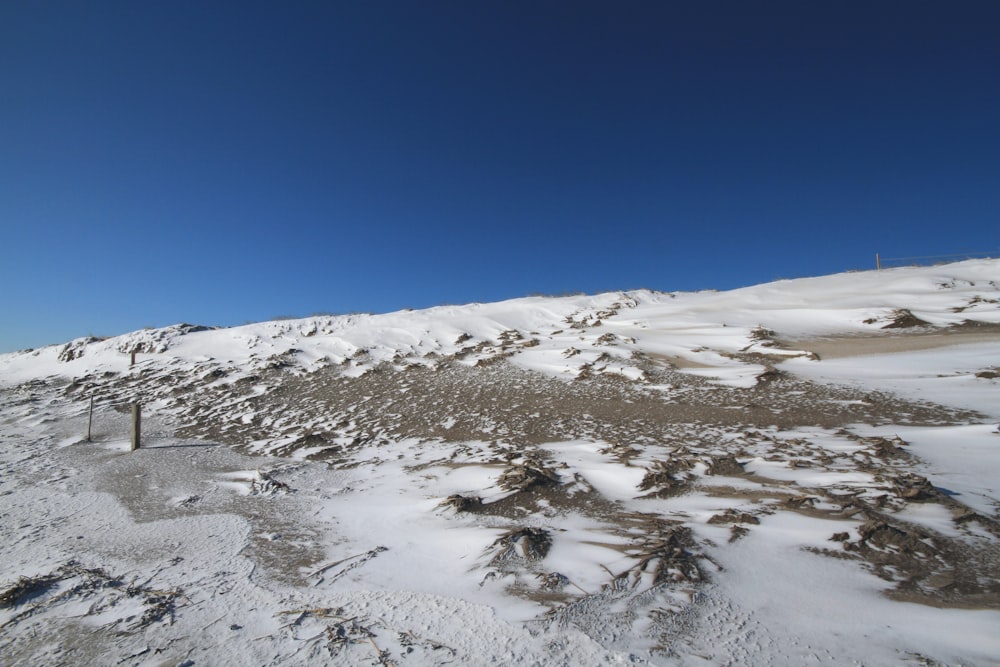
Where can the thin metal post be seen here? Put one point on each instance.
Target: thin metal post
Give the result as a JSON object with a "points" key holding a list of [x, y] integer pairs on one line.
{"points": [[878, 262], [90, 419], [136, 425]]}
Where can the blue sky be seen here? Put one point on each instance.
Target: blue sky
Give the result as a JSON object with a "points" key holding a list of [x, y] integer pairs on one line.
{"points": [[225, 162]]}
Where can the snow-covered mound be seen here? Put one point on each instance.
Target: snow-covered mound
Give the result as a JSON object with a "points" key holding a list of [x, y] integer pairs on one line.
{"points": [[564, 335], [802, 471]]}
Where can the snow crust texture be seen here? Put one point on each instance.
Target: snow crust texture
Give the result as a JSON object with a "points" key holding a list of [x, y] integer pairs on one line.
{"points": [[802, 472]]}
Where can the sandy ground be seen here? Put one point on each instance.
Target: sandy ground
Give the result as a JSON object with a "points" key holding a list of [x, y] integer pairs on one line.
{"points": [[838, 347]]}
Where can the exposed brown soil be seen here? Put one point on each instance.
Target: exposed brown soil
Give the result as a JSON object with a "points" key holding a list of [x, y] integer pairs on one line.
{"points": [[834, 347], [501, 403]]}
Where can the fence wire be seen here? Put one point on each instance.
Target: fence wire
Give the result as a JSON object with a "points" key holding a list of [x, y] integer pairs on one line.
{"points": [[931, 260]]}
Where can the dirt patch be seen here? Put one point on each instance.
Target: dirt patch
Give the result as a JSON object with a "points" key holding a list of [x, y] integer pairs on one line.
{"points": [[835, 347], [164, 483], [675, 361]]}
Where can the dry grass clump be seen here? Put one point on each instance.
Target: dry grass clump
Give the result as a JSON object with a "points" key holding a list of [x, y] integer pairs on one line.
{"points": [[26, 588], [77, 581], [525, 477], [665, 479], [525, 544]]}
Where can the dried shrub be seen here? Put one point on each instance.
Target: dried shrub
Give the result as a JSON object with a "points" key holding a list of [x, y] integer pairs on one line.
{"points": [[725, 465], [461, 503], [904, 319], [665, 479], [26, 588], [524, 544], [915, 488], [526, 477], [668, 559]]}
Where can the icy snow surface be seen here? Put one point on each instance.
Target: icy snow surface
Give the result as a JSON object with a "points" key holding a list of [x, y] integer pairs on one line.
{"points": [[802, 472]]}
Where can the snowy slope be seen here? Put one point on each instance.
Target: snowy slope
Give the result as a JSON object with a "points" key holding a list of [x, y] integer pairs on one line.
{"points": [[802, 471], [694, 327]]}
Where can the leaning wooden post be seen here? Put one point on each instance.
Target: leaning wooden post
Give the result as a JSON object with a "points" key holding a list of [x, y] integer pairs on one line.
{"points": [[90, 419], [136, 425]]}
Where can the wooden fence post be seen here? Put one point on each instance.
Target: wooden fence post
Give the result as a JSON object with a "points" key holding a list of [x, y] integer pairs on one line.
{"points": [[90, 419], [132, 361], [136, 425]]}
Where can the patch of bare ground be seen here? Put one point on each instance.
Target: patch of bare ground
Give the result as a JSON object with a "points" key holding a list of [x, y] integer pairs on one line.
{"points": [[930, 338], [162, 483], [333, 414]]}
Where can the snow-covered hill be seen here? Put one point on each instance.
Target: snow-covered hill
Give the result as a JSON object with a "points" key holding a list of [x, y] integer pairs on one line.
{"points": [[544, 333], [791, 472]]}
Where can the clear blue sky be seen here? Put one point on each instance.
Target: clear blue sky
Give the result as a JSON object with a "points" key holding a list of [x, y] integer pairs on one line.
{"points": [[222, 162]]}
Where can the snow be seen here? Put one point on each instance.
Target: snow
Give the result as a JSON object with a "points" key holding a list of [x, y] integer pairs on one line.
{"points": [[292, 559], [964, 460], [923, 375], [808, 606]]}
